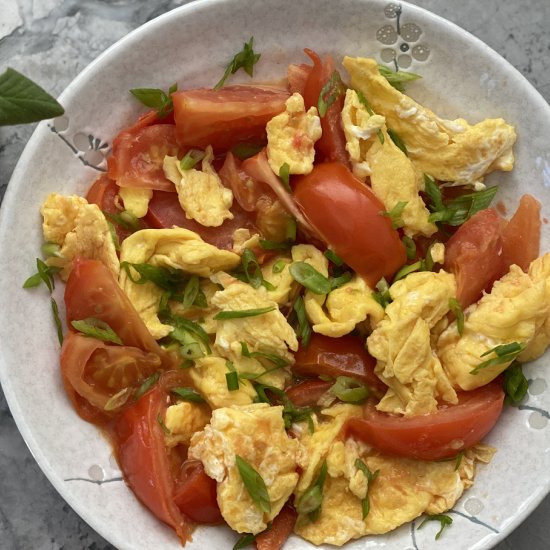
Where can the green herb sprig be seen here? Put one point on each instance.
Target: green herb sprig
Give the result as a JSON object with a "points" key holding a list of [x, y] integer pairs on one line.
{"points": [[155, 98], [245, 59], [443, 519]]}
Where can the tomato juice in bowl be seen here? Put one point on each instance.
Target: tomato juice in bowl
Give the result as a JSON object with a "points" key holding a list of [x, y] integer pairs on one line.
{"points": [[81, 177]]}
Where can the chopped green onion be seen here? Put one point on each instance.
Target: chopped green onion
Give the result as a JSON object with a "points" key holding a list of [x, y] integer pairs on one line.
{"points": [[309, 277], [254, 484], [191, 158], [96, 328], [337, 282], [290, 230], [330, 92], [505, 353], [156, 99], [244, 151], [147, 384], [311, 501], [194, 340], [367, 106], [458, 460], [284, 174], [57, 321], [349, 390], [191, 292], [397, 78], [240, 314], [251, 268], [245, 59], [161, 423], [333, 257], [244, 540], [187, 364], [383, 295], [44, 275], [274, 358], [407, 269], [395, 214], [443, 519], [231, 377], [365, 503], [51, 249], [118, 400], [114, 235], [515, 384], [188, 394], [278, 266], [272, 245], [398, 141], [166, 278], [126, 220], [304, 329], [456, 308], [410, 247]]}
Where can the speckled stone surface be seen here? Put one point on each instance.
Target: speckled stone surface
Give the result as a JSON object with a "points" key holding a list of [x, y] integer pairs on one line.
{"points": [[51, 41]]}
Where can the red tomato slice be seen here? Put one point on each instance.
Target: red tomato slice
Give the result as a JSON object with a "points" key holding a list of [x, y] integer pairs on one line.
{"points": [[521, 236], [165, 212], [144, 460], [474, 255], [332, 145], [103, 192], [308, 392], [96, 371], [223, 118], [92, 291], [345, 356], [347, 216], [138, 155], [432, 436], [281, 528], [297, 76], [195, 494]]}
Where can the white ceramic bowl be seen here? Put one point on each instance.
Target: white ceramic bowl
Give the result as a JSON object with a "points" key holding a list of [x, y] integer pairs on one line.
{"points": [[192, 44]]}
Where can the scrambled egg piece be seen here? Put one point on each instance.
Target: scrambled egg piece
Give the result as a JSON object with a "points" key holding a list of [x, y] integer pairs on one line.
{"points": [[393, 177], [269, 332], [401, 344], [243, 238], [208, 376], [177, 248], [451, 151], [136, 200], [345, 307], [80, 229], [403, 490], [257, 434], [291, 137], [516, 310], [201, 193], [182, 420], [284, 283]]}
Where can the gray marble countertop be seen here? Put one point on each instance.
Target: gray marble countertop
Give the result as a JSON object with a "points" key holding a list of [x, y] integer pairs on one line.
{"points": [[51, 41]]}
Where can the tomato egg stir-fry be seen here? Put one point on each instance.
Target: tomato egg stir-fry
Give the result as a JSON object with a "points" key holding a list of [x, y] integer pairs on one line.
{"points": [[293, 309]]}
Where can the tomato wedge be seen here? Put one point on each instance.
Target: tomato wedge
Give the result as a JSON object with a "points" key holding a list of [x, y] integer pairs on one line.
{"points": [[347, 216], [195, 494], [332, 145], [138, 156], [308, 392], [521, 236], [223, 118], [144, 459], [281, 528], [431, 436], [474, 255]]}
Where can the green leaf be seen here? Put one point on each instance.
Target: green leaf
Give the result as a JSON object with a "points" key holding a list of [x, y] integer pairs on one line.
{"points": [[191, 158], [397, 78], [395, 214], [254, 484], [96, 328], [188, 394], [443, 519], [45, 274], [398, 141], [57, 321], [515, 384], [147, 384], [239, 314], [505, 353], [349, 390], [22, 101], [309, 277], [245, 59], [304, 329], [284, 174], [456, 308], [330, 92], [156, 99], [244, 540]]}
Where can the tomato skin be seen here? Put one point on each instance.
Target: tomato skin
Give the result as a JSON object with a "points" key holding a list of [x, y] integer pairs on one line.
{"points": [[92, 291], [474, 255], [138, 155], [195, 494], [223, 118], [332, 145], [281, 528], [347, 215], [521, 235], [344, 356], [143, 458], [433, 436], [308, 392], [165, 212]]}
